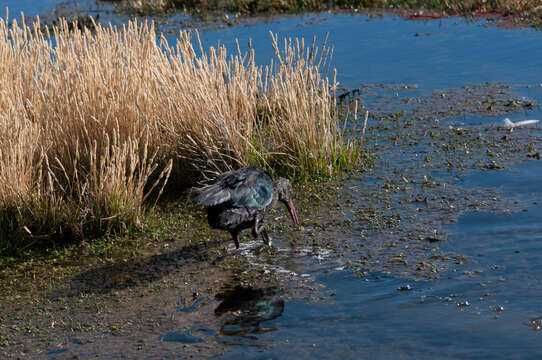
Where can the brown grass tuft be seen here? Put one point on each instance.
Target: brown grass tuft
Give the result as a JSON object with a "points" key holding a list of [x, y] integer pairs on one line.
{"points": [[91, 123]]}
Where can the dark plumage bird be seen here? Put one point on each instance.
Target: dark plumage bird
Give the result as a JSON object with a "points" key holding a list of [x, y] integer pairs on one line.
{"points": [[239, 199]]}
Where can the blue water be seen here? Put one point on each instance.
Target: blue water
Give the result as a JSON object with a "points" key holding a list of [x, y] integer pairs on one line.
{"points": [[448, 53], [372, 319], [30, 8]]}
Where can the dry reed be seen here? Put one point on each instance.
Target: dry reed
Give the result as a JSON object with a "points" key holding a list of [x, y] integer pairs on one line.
{"points": [[92, 122]]}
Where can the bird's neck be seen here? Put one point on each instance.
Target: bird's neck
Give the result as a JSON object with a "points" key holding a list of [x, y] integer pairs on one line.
{"points": [[274, 202]]}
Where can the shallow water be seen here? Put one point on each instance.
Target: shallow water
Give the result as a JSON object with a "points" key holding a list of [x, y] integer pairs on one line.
{"points": [[489, 308]]}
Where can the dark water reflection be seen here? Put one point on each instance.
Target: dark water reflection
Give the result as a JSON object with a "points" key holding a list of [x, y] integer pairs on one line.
{"points": [[243, 309]]}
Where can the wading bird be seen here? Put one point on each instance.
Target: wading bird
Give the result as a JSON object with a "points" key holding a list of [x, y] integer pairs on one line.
{"points": [[239, 199]]}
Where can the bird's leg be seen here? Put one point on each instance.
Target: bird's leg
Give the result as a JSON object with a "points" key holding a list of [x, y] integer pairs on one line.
{"points": [[265, 236], [235, 237], [259, 228], [256, 228]]}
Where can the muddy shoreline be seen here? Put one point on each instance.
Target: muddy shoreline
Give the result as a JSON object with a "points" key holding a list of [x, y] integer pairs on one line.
{"points": [[170, 19]]}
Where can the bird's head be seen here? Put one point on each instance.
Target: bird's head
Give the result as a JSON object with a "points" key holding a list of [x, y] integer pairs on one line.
{"points": [[284, 191]]}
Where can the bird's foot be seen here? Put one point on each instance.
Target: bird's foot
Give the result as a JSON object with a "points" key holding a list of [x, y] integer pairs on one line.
{"points": [[266, 238]]}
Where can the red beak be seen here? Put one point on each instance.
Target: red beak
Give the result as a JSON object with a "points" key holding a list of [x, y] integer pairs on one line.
{"points": [[293, 214]]}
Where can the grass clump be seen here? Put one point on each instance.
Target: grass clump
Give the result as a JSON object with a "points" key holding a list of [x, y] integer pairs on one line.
{"points": [[93, 124]]}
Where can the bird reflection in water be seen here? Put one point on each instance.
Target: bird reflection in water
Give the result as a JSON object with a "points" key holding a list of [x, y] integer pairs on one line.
{"points": [[243, 309]]}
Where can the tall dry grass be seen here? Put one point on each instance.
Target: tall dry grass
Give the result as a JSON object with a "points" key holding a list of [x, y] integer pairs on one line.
{"points": [[91, 123]]}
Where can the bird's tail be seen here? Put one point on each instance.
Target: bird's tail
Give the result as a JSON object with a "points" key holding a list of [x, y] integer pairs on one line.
{"points": [[210, 195]]}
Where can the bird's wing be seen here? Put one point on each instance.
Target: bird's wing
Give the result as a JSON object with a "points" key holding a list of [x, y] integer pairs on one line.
{"points": [[255, 191], [255, 196], [220, 191], [247, 187], [211, 195]]}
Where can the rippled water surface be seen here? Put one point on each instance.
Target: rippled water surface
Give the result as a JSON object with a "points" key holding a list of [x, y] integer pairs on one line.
{"points": [[492, 306], [491, 309]]}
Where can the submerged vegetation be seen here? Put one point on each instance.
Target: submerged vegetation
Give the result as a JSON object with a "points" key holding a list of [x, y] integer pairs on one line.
{"points": [[522, 10], [94, 124]]}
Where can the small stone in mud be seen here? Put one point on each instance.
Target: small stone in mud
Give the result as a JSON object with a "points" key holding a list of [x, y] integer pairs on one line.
{"points": [[529, 104], [404, 288], [493, 166], [512, 103], [463, 304], [534, 155]]}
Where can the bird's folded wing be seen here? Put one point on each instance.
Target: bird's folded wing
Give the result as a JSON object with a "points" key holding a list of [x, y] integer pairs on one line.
{"points": [[211, 195], [247, 187], [258, 195]]}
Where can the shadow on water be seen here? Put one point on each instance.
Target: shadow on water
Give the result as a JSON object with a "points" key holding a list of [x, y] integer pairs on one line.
{"points": [[137, 272], [243, 309]]}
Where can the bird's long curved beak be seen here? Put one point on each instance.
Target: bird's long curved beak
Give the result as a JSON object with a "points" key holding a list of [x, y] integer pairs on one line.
{"points": [[293, 214]]}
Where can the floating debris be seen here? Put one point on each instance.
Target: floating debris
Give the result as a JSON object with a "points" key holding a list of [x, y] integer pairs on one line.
{"points": [[510, 125], [534, 154], [536, 323]]}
